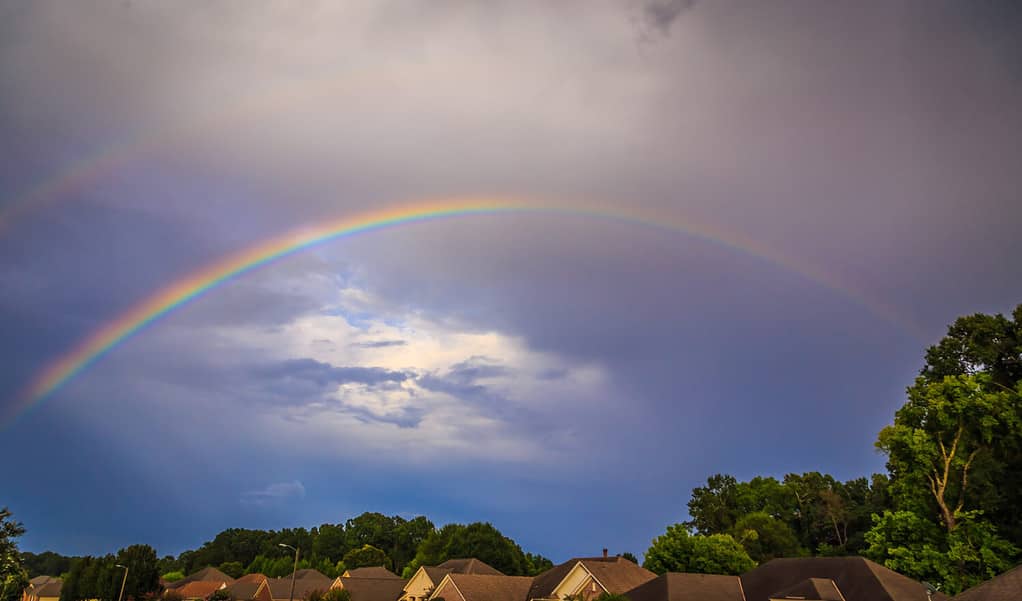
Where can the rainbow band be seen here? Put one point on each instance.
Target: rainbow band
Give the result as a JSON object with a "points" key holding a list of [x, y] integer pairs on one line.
{"points": [[107, 337]]}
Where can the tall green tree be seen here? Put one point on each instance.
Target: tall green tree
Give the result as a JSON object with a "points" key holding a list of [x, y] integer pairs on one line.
{"points": [[941, 448], [367, 556], [766, 537], [677, 550], [479, 540], [13, 577], [143, 571]]}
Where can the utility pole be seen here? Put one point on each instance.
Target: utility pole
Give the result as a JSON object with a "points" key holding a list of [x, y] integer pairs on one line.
{"points": [[124, 581], [291, 595]]}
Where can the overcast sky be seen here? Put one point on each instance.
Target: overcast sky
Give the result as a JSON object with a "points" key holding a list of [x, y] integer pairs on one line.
{"points": [[568, 379]]}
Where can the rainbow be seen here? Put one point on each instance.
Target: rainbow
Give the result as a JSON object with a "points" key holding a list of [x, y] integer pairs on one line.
{"points": [[110, 335]]}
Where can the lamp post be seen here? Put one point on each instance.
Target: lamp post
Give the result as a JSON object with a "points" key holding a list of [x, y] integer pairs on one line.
{"points": [[291, 595], [124, 581]]}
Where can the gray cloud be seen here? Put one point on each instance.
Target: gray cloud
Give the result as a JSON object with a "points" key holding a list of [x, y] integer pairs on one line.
{"points": [[323, 375], [661, 14], [380, 343]]}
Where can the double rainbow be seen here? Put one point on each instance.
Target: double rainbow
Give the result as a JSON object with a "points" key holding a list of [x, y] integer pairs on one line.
{"points": [[110, 335]]}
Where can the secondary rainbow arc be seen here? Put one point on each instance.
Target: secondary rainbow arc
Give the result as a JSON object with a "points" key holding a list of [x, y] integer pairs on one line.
{"points": [[105, 338]]}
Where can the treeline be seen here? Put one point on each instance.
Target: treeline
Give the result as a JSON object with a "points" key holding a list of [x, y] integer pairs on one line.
{"points": [[370, 539], [946, 512]]}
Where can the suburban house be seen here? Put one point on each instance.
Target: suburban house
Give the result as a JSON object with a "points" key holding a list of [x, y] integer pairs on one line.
{"points": [[689, 587], [588, 578], [42, 588], [370, 572], [426, 578], [854, 578], [305, 582], [199, 589], [1006, 587], [585, 579], [203, 575], [481, 587], [245, 588], [371, 589]]}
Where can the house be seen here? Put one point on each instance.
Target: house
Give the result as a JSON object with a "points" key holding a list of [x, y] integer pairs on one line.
{"points": [[426, 578], [1006, 587], [371, 589], [305, 583], [42, 588], [481, 587], [370, 572], [855, 578], [208, 574], [198, 590], [689, 587], [589, 577], [245, 588]]}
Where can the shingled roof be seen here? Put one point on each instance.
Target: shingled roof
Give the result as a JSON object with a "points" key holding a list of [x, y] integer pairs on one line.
{"points": [[674, 586], [370, 572], [1006, 587], [469, 565], [208, 574], [811, 589], [198, 589], [858, 579], [280, 588], [245, 588], [488, 587], [50, 588], [372, 589], [616, 574]]}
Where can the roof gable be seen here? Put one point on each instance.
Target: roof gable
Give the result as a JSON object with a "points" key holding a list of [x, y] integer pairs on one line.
{"points": [[485, 587], [857, 578], [1004, 587], [675, 586], [811, 589]]}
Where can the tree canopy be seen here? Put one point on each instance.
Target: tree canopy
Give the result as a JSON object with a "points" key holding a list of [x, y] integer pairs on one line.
{"points": [[677, 550]]}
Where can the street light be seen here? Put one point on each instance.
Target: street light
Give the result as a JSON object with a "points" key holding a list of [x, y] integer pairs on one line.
{"points": [[291, 595], [124, 581]]}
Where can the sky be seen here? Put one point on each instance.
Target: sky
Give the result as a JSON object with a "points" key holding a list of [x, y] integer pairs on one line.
{"points": [[822, 187]]}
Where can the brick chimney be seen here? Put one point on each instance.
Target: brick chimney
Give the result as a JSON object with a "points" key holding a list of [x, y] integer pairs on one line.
{"points": [[605, 554]]}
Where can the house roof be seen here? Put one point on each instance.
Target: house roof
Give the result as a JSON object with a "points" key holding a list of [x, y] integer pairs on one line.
{"points": [[372, 589], [616, 574], [858, 579], [1004, 587], [280, 588], [812, 589], [208, 574], [51, 588], [491, 587], [469, 565], [199, 589], [435, 573], [245, 587], [310, 573], [40, 580], [370, 572], [689, 587]]}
